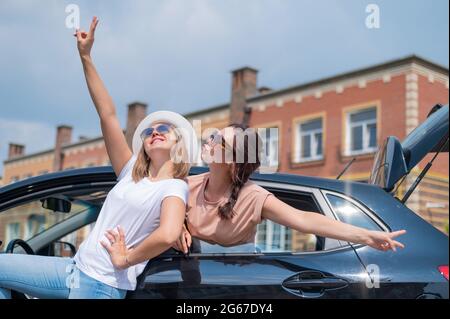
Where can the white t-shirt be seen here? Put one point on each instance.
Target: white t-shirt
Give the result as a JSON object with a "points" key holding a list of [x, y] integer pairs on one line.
{"points": [[136, 207]]}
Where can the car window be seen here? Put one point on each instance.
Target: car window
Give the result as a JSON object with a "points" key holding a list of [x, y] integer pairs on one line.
{"points": [[273, 237], [27, 220], [349, 213]]}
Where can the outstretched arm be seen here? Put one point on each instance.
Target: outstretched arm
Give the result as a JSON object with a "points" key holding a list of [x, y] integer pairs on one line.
{"points": [[320, 225], [118, 151], [173, 211]]}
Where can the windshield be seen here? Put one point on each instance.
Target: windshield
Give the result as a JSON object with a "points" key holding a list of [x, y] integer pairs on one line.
{"points": [[426, 137], [30, 219], [422, 130]]}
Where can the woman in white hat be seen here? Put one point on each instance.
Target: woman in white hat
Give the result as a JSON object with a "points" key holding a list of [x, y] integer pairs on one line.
{"points": [[148, 204]]}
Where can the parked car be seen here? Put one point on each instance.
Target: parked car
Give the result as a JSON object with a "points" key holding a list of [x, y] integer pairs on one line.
{"points": [[59, 208]]}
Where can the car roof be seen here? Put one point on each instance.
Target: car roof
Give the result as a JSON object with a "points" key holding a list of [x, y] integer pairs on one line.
{"points": [[106, 174]]}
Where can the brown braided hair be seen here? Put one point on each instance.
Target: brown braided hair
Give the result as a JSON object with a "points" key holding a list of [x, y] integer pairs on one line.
{"points": [[240, 171]]}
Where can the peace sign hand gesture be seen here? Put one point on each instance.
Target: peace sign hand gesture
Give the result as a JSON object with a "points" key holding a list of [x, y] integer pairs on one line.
{"points": [[85, 40], [385, 241]]}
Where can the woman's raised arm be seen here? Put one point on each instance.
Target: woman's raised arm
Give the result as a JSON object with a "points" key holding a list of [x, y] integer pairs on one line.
{"points": [[116, 146]]}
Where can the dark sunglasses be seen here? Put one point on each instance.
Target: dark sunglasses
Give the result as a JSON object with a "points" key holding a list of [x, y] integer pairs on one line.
{"points": [[161, 129]]}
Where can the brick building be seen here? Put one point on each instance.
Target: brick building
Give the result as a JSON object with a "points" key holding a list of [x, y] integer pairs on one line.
{"points": [[321, 126]]}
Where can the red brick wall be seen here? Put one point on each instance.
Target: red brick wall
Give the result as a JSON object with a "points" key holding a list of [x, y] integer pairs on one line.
{"points": [[391, 99], [97, 156]]}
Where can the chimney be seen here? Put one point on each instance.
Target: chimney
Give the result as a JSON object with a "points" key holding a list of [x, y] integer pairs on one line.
{"points": [[243, 86], [63, 137], [264, 90], [136, 113], [15, 150]]}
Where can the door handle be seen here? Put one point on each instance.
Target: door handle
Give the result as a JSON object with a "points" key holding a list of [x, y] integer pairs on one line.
{"points": [[312, 284], [322, 283]]}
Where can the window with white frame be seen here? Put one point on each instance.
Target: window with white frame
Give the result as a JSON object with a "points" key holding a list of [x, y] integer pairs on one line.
{"points": [[35, 224], [309, 140], [362, 131], [273, 237], [270, 140], [12, 231]]}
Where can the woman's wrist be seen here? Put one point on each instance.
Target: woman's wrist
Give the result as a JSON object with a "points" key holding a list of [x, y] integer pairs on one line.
{"points": [[128, 264], [85, 57], [363, 236]]}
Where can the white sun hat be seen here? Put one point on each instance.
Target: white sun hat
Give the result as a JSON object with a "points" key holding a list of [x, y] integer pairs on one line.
{"points": [[184, 128]]}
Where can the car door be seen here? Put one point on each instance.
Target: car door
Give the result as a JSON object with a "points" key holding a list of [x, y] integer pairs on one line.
{"points": [[299, 268], [408, 273]]}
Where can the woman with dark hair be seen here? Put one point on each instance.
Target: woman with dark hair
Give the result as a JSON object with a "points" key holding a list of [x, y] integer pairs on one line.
{"points": [[225, 207]]}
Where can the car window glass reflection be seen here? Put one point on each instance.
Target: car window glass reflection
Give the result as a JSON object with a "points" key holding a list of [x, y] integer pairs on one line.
{"points": [[349, 213]]}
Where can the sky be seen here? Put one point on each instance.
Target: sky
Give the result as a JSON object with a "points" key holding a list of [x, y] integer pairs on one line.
{"points": [[177, 54]]}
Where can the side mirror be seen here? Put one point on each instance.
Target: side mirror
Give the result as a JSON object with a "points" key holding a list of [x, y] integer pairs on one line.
{"points": [[57, 204]]}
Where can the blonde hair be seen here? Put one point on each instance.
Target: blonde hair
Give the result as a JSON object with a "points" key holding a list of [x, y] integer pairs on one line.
{"points": [[180, 168]]}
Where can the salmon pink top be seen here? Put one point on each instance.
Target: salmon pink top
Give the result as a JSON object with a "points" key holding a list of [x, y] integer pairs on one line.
{"points": [[203, 218]]}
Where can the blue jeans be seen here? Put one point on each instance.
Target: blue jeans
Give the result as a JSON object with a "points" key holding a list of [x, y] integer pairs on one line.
{"points": [[50, 278]]}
